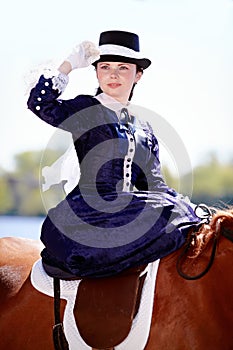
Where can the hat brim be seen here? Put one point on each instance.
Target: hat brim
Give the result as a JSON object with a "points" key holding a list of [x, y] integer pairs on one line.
{"points": [[140, 62]]}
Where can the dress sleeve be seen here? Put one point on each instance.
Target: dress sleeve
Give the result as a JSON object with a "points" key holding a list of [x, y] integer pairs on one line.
{"points": [[43, 102]]}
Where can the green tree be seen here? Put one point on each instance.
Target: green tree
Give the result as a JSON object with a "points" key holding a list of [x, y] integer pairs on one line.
{"points": [[169, 178], [20, 189], [6, 197], [213, 182]]}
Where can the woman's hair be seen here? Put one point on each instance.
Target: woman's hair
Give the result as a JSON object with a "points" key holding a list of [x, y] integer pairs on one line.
{"points": [[138, 69]]}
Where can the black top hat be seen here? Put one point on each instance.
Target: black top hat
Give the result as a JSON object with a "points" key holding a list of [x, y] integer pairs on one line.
{"points": [[120, 46]]}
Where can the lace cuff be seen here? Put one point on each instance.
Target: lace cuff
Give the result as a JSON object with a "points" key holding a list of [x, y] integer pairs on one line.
{"points": [[60, 82], [59, 79]]}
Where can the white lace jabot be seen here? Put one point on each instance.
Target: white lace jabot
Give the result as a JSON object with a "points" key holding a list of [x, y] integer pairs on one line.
{"points": [[111, 103]]}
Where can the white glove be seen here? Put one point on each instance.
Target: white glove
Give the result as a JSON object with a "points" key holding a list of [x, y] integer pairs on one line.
{"points": [[83, 55]]}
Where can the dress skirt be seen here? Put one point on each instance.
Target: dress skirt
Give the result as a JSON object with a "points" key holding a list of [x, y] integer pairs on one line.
{"points": [[91, 236]]}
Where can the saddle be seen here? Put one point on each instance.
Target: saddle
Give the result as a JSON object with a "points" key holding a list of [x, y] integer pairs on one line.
{"points": [[105, 308]]}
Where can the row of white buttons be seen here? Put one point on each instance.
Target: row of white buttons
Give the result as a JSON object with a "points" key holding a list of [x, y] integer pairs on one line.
{"points": [[127, 170], [39, 98]]}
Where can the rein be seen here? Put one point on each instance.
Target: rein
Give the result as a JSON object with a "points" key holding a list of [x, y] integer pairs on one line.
{"points": [[210, 263], [205, 215]]}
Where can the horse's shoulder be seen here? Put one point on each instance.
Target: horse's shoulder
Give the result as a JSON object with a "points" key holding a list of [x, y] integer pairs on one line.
{"points": [[17, 256]]}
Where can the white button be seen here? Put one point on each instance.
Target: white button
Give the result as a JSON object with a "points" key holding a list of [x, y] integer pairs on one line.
{"points": [[37, 108], [46, 83], [38, 98], [43, 92]]}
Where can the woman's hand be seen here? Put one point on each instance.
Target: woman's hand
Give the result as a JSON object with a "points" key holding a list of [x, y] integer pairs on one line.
{"points": [[82, 56]]}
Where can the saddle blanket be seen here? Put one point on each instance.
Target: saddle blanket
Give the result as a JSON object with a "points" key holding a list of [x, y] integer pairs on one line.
{"points": [[138, 336]]}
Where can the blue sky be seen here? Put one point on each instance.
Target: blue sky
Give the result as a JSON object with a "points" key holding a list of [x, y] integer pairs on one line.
{"points": [[190, 82]]}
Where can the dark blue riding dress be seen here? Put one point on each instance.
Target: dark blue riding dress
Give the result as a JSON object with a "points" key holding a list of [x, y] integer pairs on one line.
{"points": [[121, 214]]}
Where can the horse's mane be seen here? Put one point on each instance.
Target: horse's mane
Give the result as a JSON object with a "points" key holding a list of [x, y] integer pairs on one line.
{"points": [[221, 221]]}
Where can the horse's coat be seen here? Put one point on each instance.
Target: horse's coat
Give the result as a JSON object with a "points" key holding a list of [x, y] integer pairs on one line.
{"points": [[187, 315]]}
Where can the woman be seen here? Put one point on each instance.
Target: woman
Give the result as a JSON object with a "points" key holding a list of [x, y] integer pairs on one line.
{"points": [[121, 214]]}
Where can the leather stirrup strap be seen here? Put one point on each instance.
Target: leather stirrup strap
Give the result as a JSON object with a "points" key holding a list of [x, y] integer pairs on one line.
{"points": [[59, 338]]}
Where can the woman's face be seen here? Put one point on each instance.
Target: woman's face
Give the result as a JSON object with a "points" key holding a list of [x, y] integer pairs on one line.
{"points": [[117, 78]]}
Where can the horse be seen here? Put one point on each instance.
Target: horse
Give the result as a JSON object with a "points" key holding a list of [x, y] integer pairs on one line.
{"points": [[193, 300]]}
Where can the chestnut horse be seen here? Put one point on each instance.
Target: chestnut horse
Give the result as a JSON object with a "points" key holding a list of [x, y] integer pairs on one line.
{"points": [[188, 314]]}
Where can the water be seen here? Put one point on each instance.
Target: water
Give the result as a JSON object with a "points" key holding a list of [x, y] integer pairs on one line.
{"points": [[20, 226]]}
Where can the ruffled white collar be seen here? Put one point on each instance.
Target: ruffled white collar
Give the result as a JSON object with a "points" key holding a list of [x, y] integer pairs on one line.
{"points": [[111, 103]]}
